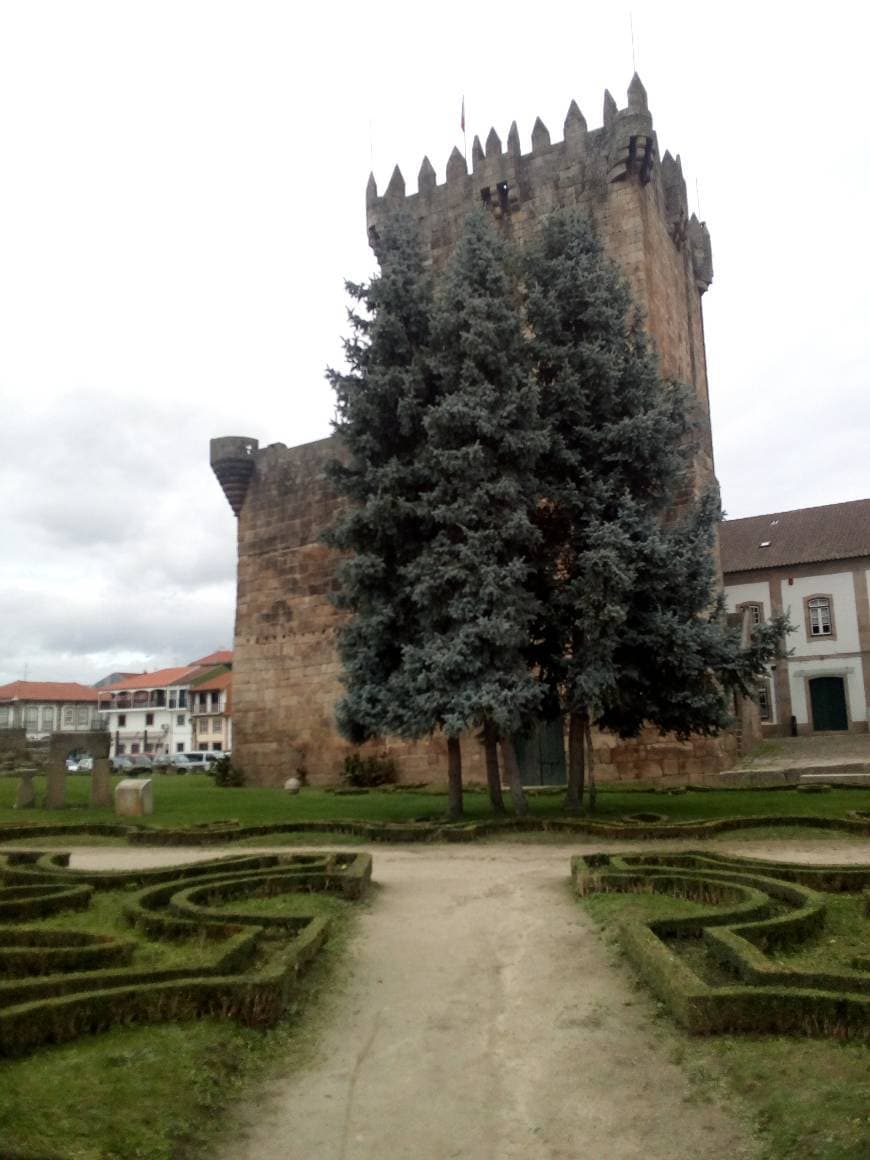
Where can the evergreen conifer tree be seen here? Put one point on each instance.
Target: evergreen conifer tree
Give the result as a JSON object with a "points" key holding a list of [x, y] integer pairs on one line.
{"points": [[380, 402], [632, 631], [471, 583]]}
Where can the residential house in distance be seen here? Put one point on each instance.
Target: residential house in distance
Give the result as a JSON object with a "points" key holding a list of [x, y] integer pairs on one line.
{"points": [[45, 707], [814, 564], [211, 710], [150, 712]]}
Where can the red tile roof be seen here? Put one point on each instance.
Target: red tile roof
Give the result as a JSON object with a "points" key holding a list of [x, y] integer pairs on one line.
{"points": [[47, 691], [835, 531], [222, 680], [156, 680], [223, 656]]}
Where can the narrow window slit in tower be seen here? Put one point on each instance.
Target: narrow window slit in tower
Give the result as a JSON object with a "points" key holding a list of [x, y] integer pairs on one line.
{"points": [[486, 196], [502, 188]]}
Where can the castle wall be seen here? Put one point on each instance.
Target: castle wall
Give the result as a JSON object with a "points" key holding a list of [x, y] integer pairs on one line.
{"points": [[286, 675]]}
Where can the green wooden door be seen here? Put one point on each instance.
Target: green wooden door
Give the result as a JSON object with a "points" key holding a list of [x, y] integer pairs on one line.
{"points": [[828, 697], [541, 755]]}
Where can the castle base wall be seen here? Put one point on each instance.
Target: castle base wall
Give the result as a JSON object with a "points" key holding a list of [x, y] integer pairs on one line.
{"points": [[287, 675]]}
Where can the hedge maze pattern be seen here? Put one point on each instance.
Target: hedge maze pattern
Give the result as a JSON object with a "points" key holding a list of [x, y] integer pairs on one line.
{"points": [[639, 826], [58, 982], [725, 966]]}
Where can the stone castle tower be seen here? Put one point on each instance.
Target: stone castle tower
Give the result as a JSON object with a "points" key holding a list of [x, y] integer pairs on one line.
{"points": [[286, 674]]}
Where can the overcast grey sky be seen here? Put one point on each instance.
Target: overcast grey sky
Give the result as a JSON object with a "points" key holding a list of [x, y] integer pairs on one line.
{"points": [[182, 195]]}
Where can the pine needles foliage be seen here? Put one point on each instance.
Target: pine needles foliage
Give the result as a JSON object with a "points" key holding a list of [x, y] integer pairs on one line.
{"points": [[523, 535]]}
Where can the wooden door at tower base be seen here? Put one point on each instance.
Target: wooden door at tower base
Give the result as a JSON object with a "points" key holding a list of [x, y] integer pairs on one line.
{"points": [[541, 754], [828, 700]]}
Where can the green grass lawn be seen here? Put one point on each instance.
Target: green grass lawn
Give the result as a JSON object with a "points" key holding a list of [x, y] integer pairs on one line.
{"points": [[163, 1092], [194, 798], [809, 1099]]}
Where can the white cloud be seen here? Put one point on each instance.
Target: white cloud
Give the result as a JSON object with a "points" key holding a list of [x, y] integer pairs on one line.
{"points": [[183, 196]]}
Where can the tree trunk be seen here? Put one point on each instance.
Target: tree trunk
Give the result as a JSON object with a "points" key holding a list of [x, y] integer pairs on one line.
{"points": [[493, 780], [576, 762], [512, 769], [454, 780], [590, 764]]}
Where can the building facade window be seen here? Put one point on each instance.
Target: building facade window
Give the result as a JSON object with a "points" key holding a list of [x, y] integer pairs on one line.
{"points": [[149, 718], [179, 747], [134, 748], [47, 718], [31, 717], [179, 719], [764, 701], [819, 613], [68, 719], [122, 720], [4, 716], [82, 716], [755, 610]]}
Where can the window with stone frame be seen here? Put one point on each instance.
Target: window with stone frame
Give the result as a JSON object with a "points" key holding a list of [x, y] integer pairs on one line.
{"points": [[47, 718], [755, 609], [5, 716], [763, 699], [819, 616], [68, 716]]}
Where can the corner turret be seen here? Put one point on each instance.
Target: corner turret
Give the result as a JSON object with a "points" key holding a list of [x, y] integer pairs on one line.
{"points": [[232, 461]]}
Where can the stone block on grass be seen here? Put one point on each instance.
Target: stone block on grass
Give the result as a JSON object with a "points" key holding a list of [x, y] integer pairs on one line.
{"points": [[134, 797]]}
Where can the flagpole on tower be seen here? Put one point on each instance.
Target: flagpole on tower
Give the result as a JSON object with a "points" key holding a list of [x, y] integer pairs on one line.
{"points": [[462, 126]]}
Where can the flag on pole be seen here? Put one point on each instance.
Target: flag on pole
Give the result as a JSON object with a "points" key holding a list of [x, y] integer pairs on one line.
{"points": [[462, 115]]}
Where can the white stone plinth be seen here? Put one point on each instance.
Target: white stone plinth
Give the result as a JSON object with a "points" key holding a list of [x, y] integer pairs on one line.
{"points": [[134, 797]]}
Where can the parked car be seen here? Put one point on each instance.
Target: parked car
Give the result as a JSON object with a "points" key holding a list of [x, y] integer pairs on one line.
{"points": [[176, 761], [202, 758], [121, 764], [83, 764], [142, 762]]}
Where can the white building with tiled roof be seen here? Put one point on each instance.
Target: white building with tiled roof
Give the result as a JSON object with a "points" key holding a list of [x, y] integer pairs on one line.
{"points": [[45, 707], [151, 712], [814, 564]]}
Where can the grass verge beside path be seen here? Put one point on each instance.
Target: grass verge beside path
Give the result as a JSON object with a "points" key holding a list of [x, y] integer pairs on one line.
{"points": [[160, 1092], [808, 1097], [194, 799]]}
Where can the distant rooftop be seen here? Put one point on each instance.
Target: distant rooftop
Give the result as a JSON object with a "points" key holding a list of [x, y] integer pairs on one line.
{"points": [[159, 679], [834, 531], [223, 656], [47, 691]]}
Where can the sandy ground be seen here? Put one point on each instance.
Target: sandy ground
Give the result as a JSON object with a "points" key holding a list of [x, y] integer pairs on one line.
{"points": [[485, 1019]]}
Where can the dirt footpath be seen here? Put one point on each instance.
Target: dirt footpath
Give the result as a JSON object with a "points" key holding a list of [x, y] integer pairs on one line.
{"points": [[484, 1019]]}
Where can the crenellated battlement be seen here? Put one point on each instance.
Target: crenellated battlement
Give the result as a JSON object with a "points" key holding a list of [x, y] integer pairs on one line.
{"points": [[586, 168]]}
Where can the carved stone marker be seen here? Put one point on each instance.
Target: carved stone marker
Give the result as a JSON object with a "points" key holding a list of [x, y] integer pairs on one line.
{"points": [[26, 797], [134, 797], [101, 783], [292, 784], [55, 798]]}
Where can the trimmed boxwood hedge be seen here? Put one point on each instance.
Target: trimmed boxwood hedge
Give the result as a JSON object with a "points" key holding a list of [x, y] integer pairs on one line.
{"points": [[770, 907], [59, 983], [220, 833]]}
